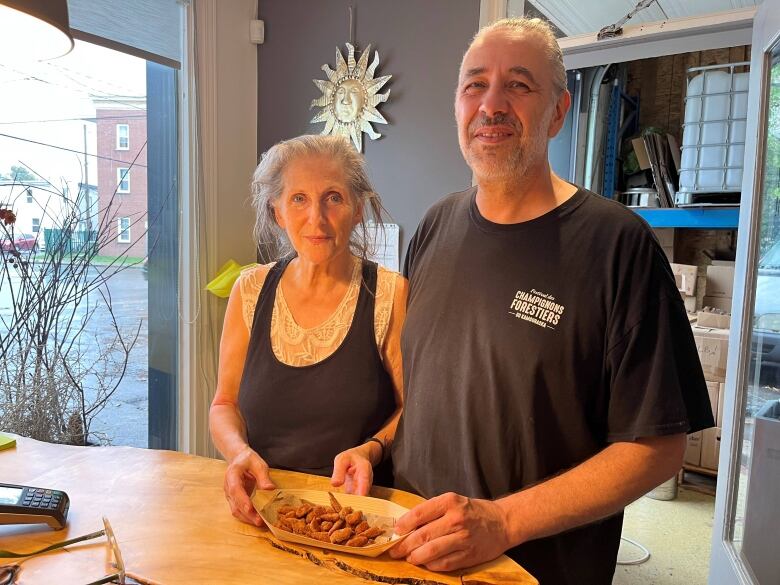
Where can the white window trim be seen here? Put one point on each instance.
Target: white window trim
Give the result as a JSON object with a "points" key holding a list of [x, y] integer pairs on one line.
{"points": [[227, 157], [33, 230], [119, 176], [118, 135], [654, 39], [123, 235]]}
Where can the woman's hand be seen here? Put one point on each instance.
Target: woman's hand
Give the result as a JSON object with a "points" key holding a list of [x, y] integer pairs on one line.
{"points": [[246, 472], [352, 469]]}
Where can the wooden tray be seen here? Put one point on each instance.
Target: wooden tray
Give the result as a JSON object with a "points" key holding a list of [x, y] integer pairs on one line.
{"points": [[381, 513]]}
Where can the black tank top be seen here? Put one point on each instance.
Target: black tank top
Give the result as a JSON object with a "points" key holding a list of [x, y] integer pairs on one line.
{"points": [[300, 418]]}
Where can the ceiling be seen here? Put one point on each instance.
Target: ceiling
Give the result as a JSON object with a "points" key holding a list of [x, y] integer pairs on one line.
{"points": [[575, 17]]}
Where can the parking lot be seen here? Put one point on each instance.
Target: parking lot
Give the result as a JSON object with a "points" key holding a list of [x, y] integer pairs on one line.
{"points": [[124, 421]]}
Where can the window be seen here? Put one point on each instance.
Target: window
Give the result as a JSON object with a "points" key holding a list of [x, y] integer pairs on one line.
{"points": [[123, 230], [89, 226], [29, 195], [123, 180], [122, 136], [36, 224]]}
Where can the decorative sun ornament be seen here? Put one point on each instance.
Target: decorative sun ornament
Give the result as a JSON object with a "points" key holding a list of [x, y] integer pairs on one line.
{"points": [[349, 97]]}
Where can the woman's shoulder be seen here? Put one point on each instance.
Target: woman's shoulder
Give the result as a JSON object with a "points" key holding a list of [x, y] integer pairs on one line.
{"points": [[391, 285], [251, 278], [385, 274], [257, 269]]}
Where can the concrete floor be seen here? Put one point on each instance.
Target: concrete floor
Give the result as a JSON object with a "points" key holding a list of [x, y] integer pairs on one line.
{"points": [[677, 533]]}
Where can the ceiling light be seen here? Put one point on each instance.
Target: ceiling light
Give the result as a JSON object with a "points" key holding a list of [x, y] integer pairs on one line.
{"points": [[34, 30]]}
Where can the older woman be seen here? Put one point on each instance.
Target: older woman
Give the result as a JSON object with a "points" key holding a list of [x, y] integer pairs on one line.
{"points": [[310, 361]]}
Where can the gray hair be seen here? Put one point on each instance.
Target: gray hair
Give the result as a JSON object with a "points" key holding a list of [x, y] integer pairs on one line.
{"points": [[544, 31], [267, 186]]}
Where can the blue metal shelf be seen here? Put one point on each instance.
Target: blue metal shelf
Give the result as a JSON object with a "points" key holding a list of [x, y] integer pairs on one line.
{"points": [[690, 217]]}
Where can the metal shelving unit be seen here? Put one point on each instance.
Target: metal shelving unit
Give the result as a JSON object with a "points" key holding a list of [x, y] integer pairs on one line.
{"points": [[705, 217]]}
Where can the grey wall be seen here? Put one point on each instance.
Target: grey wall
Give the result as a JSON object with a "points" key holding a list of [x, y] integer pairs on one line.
{"points": [[420, 43]]}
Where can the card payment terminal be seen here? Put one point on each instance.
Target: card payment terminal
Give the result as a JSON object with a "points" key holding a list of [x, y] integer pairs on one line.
{"points": [[23, 504]]}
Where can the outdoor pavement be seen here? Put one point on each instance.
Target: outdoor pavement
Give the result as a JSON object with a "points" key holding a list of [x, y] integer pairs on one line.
{"points": [[124, 421]]}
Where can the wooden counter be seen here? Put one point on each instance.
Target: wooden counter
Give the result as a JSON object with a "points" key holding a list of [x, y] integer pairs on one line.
{"points": [[174, 525]]}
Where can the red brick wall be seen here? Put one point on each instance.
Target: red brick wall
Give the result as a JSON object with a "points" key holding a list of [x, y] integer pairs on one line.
{"points": [[115, 205]]}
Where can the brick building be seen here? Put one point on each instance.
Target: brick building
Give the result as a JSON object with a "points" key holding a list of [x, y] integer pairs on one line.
{"points": [[122, 187]]}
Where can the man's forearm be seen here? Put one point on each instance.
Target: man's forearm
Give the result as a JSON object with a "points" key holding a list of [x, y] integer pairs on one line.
{"points": [[599, 487]]}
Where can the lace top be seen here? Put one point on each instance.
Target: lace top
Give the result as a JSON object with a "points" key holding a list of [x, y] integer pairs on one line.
{"points": [[298, 346]]}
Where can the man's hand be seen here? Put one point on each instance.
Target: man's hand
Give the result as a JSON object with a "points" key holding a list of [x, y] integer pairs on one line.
{"points": [[245, 472], [352, 469], [452, 532]]}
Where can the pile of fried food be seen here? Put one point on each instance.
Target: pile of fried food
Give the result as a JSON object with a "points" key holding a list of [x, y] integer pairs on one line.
{"points": [[336, 524]]}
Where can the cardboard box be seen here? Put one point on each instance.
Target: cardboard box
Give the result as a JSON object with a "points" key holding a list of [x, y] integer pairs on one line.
{"points": [[690, 304], [710, 448], [713, 348], [721, 394], [693, 449], [720, 281], [716, 320], [641, 153], [712, 390], [722, 303], [686, 284]]}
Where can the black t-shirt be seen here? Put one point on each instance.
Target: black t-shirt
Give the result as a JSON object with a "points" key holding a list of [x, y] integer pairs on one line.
{"points": [[530, 347]]}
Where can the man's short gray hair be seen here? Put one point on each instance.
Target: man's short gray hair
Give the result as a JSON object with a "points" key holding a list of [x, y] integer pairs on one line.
{"points": [[544, 31], [267, 186]]}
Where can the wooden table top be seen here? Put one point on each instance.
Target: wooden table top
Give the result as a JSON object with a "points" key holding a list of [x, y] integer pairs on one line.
{"points": [[174, 525]]}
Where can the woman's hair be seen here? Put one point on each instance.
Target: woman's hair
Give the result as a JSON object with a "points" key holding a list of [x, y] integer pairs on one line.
{"points": [[267, 185]]}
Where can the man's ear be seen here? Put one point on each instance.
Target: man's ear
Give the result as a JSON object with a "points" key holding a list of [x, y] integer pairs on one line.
{"points": [[562, 105]]}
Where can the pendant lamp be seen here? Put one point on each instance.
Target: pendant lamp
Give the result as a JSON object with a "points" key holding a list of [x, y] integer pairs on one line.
{"points": [[34, 30]]}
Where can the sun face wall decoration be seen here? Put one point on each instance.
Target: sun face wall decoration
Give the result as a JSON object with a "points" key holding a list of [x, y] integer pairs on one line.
{"points": [[350, 96]]}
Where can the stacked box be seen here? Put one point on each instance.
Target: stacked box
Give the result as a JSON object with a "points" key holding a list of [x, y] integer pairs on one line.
{"points": [[685, 279], [713, 389], [712, 345], [713, 319], [685, 276], [720, 287], [710, 448], [693, 449]]}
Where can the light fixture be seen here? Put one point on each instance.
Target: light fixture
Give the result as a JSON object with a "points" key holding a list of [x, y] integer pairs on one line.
{"points": [[34, 30]]}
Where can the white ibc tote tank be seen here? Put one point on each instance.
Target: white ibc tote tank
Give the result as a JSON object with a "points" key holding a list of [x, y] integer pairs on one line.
{"points": [[713, 145]]}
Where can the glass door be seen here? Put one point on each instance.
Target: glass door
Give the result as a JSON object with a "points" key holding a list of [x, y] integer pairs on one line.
{"points": [[747, 518]]}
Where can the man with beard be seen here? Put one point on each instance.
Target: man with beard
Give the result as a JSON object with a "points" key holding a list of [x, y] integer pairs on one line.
{"points": [[550, 370]]}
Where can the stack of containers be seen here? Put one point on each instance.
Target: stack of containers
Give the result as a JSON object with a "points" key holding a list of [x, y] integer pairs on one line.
{"points": [[685, 276], [713, 145], [711, 334]]}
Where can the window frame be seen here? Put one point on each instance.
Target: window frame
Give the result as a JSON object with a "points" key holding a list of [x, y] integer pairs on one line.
{"points": [[122, 176], [35, 228], [119, 137], [123, 235]]}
